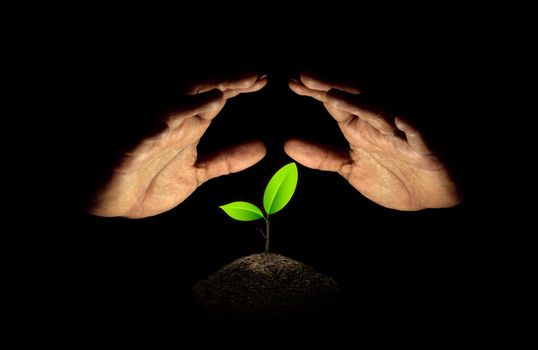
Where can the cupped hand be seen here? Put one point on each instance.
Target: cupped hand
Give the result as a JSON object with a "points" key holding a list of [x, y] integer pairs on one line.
{"points": [[388, 160], [162, 170]]}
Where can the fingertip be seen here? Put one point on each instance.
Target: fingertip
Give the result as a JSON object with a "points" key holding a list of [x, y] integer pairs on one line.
{"points": [[244, 81], [248, 153], [289, 145], [295, 148], [259, 149], [303, 90], [400, 124], [261, 82], [405, 125], [290, 148], [295, 86]]}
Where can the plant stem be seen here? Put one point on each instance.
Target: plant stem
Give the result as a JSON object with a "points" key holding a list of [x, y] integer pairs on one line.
{"points": [[266, 236]]}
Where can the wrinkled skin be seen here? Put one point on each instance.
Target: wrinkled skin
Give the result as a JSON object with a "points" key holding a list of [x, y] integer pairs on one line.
{"points": [[388, 160], [162, 170]]}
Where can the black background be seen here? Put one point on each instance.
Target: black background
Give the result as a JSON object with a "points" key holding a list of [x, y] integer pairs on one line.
{"points": [[412, 271]]}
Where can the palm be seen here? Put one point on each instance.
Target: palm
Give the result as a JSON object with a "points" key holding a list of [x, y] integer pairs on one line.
{"points": [[163, 170], [385, 169], [160, 173], [392, 168]]}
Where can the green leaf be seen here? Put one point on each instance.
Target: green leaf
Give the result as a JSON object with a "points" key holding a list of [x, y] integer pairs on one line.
{"points": [[242, 211], [280, 189]]}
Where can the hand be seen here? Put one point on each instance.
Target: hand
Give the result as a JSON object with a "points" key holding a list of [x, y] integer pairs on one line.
{"points": [[388, 160], [164, 169]]}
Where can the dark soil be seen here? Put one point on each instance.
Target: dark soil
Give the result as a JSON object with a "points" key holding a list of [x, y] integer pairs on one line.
{"points": [[270, 286]]}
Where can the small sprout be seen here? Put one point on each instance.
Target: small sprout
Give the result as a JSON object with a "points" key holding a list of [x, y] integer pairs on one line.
{"points": [[277, 194]]}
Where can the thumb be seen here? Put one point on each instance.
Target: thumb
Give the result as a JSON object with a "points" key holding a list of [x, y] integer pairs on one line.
{"points": [[229, 160], [316, 156]]}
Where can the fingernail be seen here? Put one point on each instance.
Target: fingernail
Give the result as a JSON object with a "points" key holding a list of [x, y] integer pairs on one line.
{"points": [[263, 77], [294, 81]]}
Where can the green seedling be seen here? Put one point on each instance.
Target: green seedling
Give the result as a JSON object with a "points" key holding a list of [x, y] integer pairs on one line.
{"points": [[277, 194]]}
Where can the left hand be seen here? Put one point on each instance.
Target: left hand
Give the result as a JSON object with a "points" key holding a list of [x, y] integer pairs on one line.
{"points": [[161, 171], [388, 160]]}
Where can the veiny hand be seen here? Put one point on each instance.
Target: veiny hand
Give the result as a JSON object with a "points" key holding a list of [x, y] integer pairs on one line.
{"points": [[164, 169], [395, 169]]}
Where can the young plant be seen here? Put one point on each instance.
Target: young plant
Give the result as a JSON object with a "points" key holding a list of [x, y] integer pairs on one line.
{"points": [[277, 194]]}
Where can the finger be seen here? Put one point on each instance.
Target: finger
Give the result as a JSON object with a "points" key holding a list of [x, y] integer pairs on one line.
{"points": [[314, 82], [414, 137], [230, 94], [258, 85], [239, 81], [302, 90], [316, 156], [339, 115], [230, 160], [358, 105], [202, 105]]}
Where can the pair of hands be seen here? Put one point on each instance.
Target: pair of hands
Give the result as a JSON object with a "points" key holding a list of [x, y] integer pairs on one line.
{"points": [[387, 161]]}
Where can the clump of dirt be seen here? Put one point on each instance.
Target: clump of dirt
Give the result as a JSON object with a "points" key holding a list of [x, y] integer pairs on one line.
{"points": [[264, 286]]}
